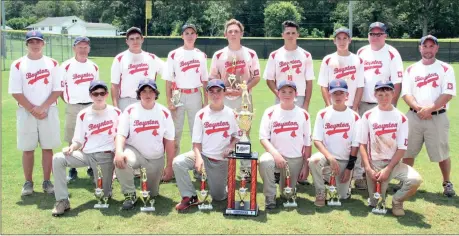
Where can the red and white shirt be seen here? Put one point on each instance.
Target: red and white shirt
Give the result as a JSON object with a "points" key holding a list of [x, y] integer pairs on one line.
{"points": [[348, 68], [129, 68], [385, 64], [287, 130], [187, 68], [247, 65], [428, 82], [384, 132], [214, 129], [337, 130], [77, 76], [96, 130], [36, 79], [145, 129], [297, 62]]}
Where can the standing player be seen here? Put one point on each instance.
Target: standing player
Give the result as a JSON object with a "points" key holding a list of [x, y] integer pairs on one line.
{"points": [[247, 69], [285, 131], [78, 71], [214, 137], [381, 62], [428, 86], [145, 132], [35, 83], [92, 145], [383, 141], [335, 136]]}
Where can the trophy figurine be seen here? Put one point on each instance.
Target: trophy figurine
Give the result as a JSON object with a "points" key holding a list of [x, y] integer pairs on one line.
{"points": [[245, 91], [243, 191], [176, 94], [232, 74], [289, 72], [289, 192], [206, 204], [381, 203], [99, 192], [145, 194], [333, 196]]}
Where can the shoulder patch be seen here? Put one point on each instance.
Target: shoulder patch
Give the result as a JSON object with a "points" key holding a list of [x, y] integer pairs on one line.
{"points": [[360, 50], [322, 114], [409, 69], [82, 116], [445, 68], [152, 55], [270, 114], [118, 111], [306, 116], [327, 61], [119, 58], [361, 60], [201, 115], [273, 54], [166, 114], [218, 55], [307, 54], [130, 109], [367, 114], [404, 119], [67, 67], [173, 55], [356, 117], [17, 65], [95, 67], [251, 54], [391, 55], [54, 62]]}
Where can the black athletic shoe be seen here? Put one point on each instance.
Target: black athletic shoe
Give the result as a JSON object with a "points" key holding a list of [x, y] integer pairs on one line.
{"points": [[73, 174]]}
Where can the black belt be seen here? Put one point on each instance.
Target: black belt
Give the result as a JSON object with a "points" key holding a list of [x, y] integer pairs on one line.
{"points": [[371, 103], [84, 103], [433, 113]]}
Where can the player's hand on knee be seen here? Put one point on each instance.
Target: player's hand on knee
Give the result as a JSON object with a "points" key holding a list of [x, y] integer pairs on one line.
{"points": [[120, 160], [167, 174], [383, 174], [346, 176], [198, 164], [372, 174], [304, 173], [334, 165], [280, 161]]}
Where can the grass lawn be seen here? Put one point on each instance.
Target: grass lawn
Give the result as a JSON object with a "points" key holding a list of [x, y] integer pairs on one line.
{"points": [[428, 212]]}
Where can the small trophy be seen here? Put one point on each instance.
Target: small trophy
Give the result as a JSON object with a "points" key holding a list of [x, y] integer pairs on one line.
{"points": [[289, 192], [243, 191], [206, 204], [381, 205], [176, 94], [245, 92], [333, 196], [289, 72], [99, 192], [145, 194], [232, 75]]}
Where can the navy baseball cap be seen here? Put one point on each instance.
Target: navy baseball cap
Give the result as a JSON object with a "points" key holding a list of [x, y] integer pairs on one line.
{"points": [[147, 82], [337, 85], [380, 25], [215, 83], [191, 26], [384, 84], [33, 34], [80, 39], [342, 30], [95, 84], [428, 37], [288, 83], [133, 30]]}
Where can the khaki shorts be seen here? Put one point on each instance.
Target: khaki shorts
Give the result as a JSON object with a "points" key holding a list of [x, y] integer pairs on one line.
{"points": [[71, 112], [31, 131], [434, 133]]}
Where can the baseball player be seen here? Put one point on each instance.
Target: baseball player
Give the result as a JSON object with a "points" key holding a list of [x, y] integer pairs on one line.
{"points": [[214, 137], [145, 133], [78, 71], [335, 137], [35, 83], [383, 139], [242, 62], [380, 62], [428, 87], [92, 145], [285, 132]]}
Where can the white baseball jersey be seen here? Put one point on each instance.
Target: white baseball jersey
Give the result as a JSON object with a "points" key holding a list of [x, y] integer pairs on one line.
{"points": [[145, 129], [427, 83], [384, 132], [385, 64], [36, 79], [214, 129], [247, 65], [288, 130], [348, 68], [77, 76], [96, 130], [187, 68], [129, 68], [337, 130], [297, 62]]}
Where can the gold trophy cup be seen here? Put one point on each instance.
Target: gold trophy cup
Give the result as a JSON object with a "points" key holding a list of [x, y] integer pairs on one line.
{"points": [[99, 192], [381, 205], [145, 194], [333, 195], [206, 203], [289, 192]]}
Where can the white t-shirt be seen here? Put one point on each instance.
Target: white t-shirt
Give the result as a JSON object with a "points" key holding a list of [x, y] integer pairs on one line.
{"points": [[77, 77], [337, 130], [187, 68], [214, 129], [247, 65], [385, 64], [36, 79], [384, 132], [288, 130], [96, 130], [427, 83], [145, 129], [279, 63], [129, 68], [348, 68]]}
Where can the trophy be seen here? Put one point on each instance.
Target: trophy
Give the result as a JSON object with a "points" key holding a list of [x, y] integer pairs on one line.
{"points": [[145, 194], [206, 204], [333, 196], [245, 92], [99, 192], [244, 119], [232, 75], [289, 192], [243, 191], [176, 94], [289, 72], [381, 205]]}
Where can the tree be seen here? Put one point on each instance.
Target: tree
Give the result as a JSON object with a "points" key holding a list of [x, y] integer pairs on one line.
{"points": [[20, 23], [250, 14], [216, 15], [276, 13]]}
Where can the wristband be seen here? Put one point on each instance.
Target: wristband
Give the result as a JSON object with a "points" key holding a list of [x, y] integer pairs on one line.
{"points": [[351, 163]]}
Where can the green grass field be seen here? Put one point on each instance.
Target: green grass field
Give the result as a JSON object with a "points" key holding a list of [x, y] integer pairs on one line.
{"points": [[428, 212]]}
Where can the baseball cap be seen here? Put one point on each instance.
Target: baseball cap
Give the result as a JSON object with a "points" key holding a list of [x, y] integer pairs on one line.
{"points": [[342, 30], [288, 83], [187, 25], [380, 25], [384, 84], [147, 82], [33, 34], [215, 83], [337, 85], [95, 84], [133, 30], [427, 37], [80, 39]]}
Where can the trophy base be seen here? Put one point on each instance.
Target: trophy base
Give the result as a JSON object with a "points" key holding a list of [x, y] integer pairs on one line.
{"points": [[379, 211], [205, 207], [290, 204], [241, 210], [101, 206], [147, 209], [333, 203], [252, 156]]}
